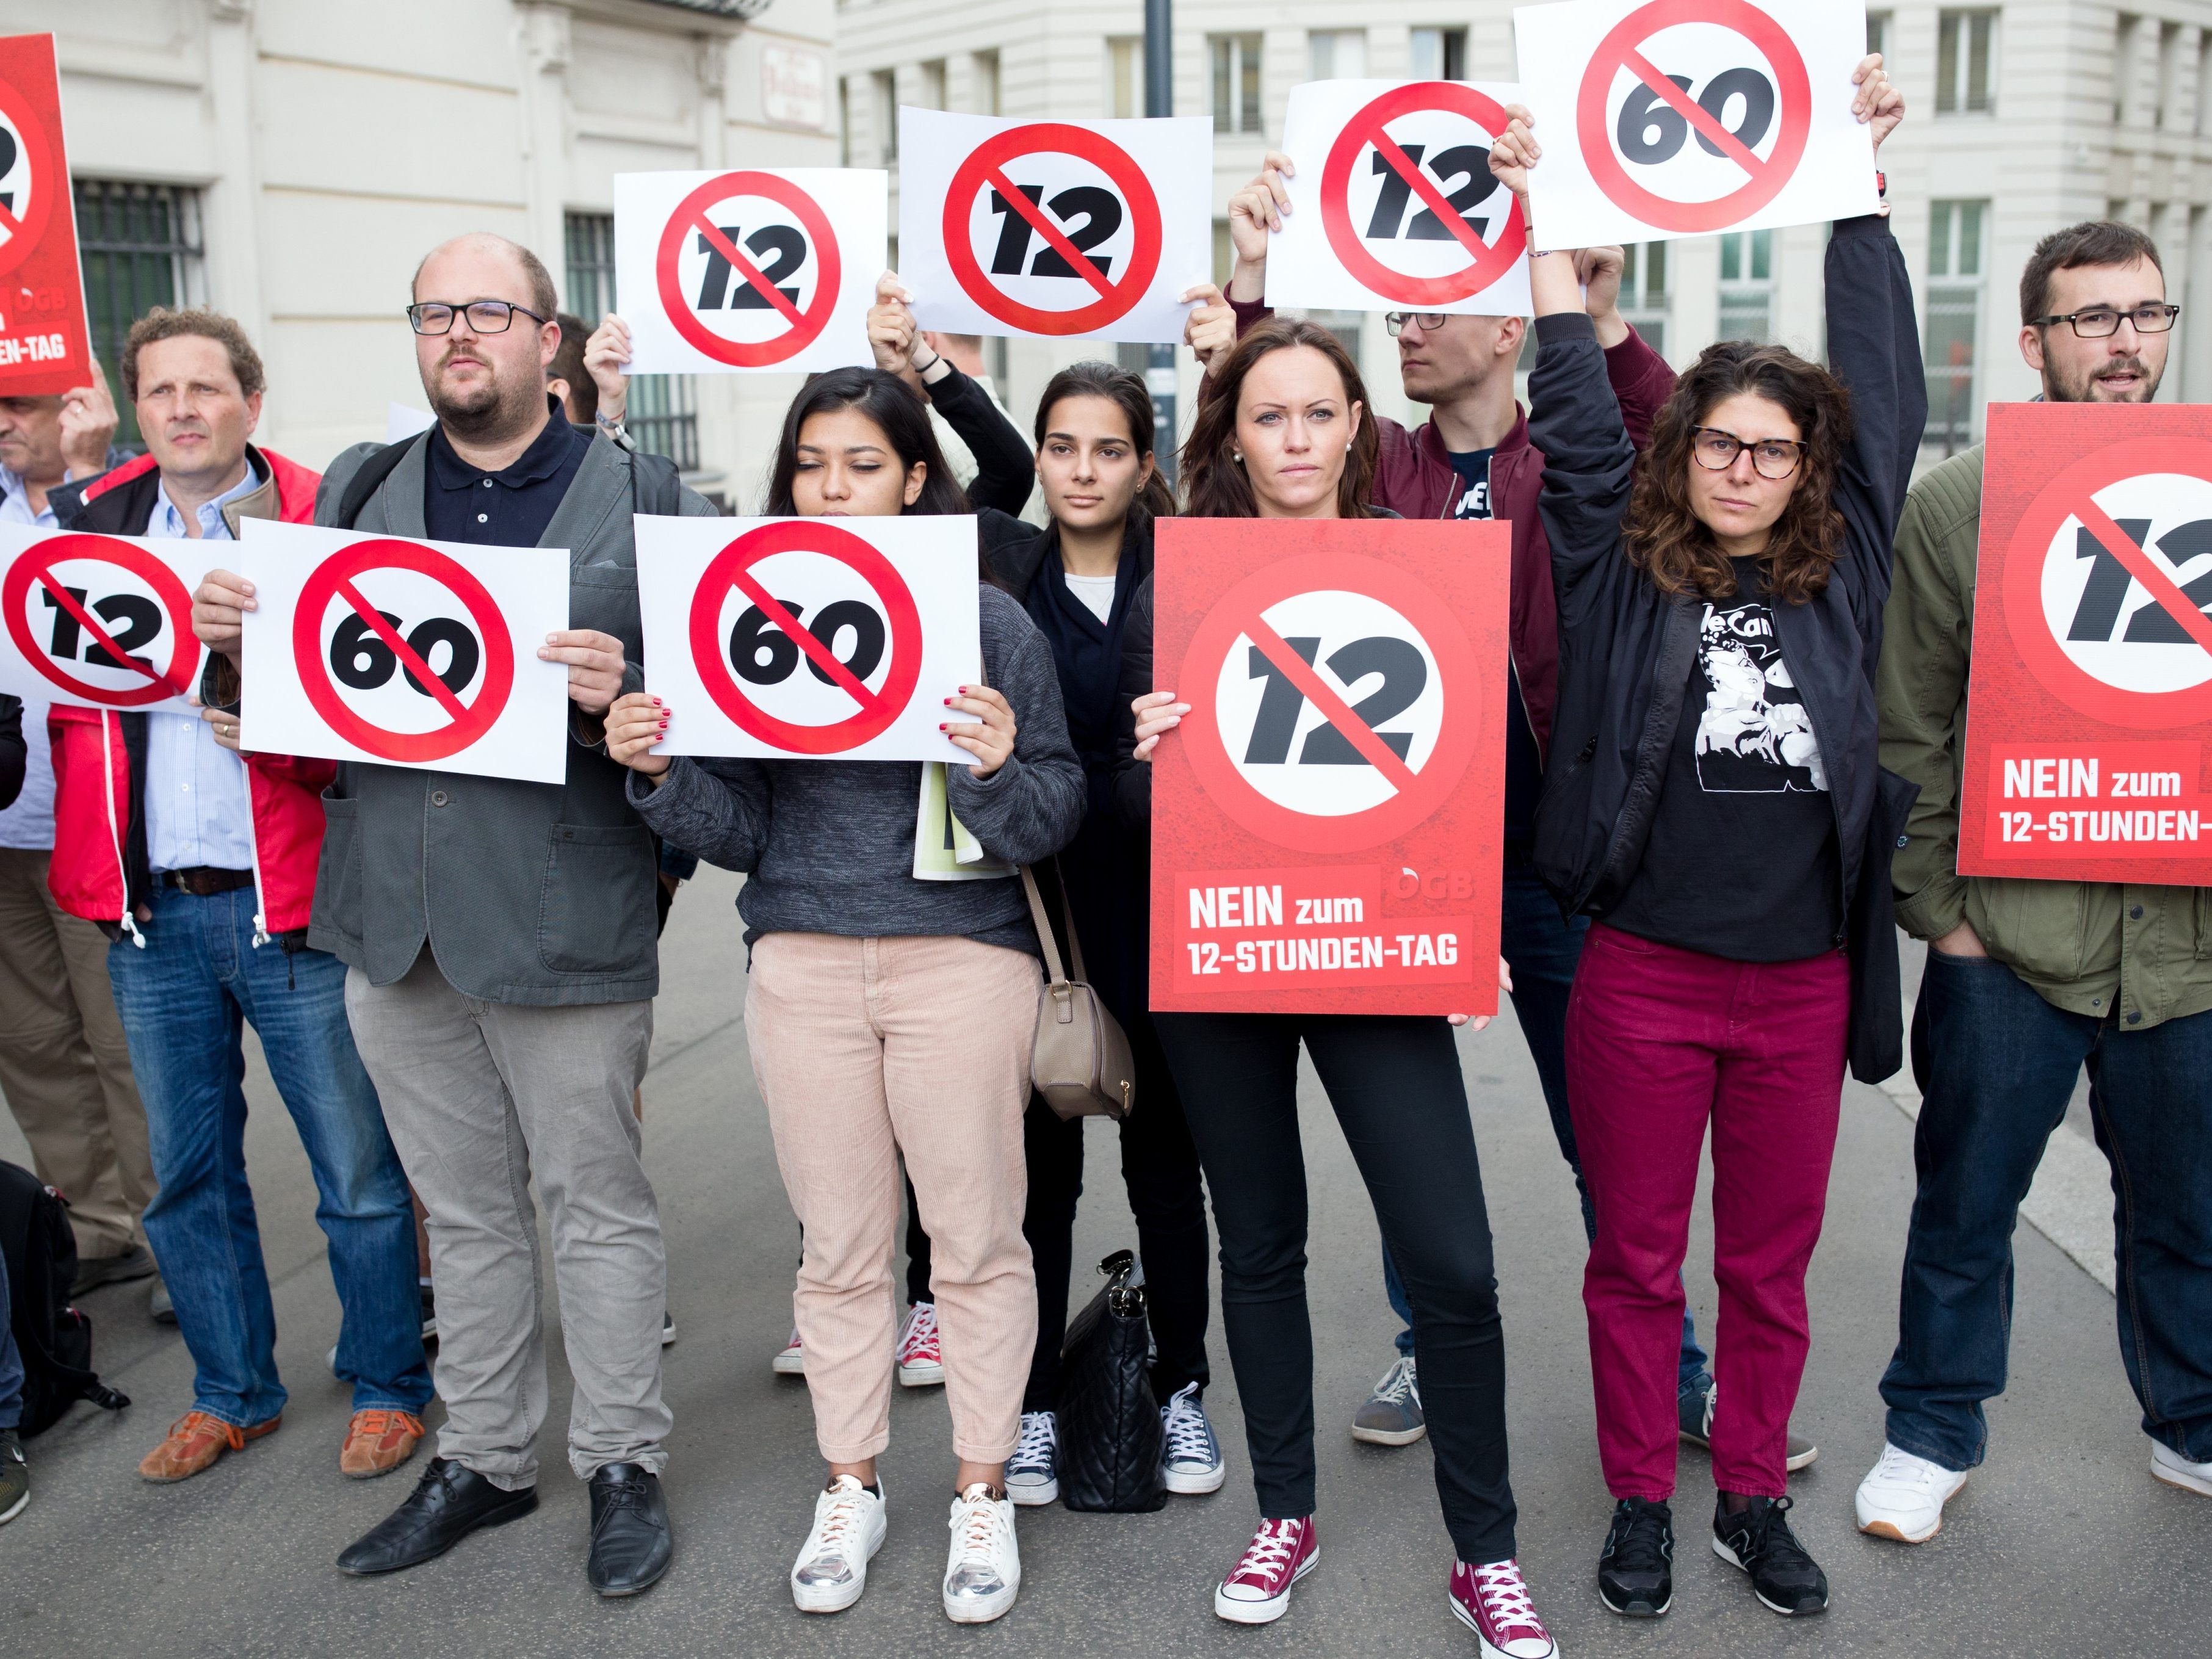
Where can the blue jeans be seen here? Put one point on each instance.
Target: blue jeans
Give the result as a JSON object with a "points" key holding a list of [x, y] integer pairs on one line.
{"points": [[185, 999], [11, 1362], [1996, 1066], [1542, 950]]}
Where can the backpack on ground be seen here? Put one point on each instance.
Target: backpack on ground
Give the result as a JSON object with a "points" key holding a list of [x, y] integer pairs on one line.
{"points": [[54, 1338]]}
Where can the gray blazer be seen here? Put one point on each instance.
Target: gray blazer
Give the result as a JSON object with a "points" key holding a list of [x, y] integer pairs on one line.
{"points": [[530, 893]]}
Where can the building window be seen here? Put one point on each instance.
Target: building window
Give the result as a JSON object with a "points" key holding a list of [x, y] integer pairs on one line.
{"points": [[142, 247], [1957, 234], [1965, 45], [987, 83], [1878, 24], [1236, 83], [883, 87], [1125, 77], [661, 417], [1644, 299], [1748, 286], [933, 84], [2169, 68], [1439, 54], [844, 122], [1339, 54]]}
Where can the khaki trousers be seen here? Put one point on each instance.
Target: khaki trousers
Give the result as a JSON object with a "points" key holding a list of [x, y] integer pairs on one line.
{"points": [[65, 1065], [866, 1049]]}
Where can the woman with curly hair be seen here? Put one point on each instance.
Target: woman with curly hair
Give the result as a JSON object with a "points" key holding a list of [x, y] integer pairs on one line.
{"points": [[1717, 806]]}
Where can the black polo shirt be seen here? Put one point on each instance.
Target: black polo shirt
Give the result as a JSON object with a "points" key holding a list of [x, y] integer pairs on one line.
{"points": [[510, 508]]}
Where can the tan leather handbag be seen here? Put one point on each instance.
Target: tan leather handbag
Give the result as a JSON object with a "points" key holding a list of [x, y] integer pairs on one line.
{"points": [[1082, 1065]]}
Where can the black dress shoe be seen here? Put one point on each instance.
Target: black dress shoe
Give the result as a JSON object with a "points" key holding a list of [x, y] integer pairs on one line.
{"points": [[447, 1504], [630, 1542]]}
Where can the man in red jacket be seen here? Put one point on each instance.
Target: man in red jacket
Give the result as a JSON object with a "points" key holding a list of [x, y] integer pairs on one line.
{"points": [[201, 865]]}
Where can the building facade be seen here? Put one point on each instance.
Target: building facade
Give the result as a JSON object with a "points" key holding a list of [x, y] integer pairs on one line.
{"points": [[290, 162]]}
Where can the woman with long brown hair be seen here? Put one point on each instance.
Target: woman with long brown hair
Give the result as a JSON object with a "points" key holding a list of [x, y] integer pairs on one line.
{"points": [[1282, 432], [1721, 813]]}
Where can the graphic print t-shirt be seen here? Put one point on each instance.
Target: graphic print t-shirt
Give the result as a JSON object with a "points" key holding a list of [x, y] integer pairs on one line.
{"points": [[1524, 763], [1742, 860]]}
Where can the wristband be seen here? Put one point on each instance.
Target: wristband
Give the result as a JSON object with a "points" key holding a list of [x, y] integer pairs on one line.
{"points": [[614, 430], [921, 368]]}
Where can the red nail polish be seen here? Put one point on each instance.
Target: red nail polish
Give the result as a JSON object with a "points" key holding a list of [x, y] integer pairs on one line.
{"points": [[948, 702], [945, 728]]}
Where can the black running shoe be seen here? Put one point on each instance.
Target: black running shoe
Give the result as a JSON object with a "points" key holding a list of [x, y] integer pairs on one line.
{"points": [[1758, 1540], [1636, 1570]]}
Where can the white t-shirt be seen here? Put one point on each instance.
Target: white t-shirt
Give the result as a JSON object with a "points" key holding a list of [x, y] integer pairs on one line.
{"points": [[1096, 594], [30, 822]]}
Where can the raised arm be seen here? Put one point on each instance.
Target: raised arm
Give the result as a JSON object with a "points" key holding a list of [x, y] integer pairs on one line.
{"points": [[1005, 467]]}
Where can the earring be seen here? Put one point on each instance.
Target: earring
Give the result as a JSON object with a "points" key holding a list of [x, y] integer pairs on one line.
{"points": [[1240, 458], [1347, 446]]}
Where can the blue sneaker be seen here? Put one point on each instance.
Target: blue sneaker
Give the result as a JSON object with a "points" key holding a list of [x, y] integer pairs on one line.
{"points": [[1192, 1462], [1033, 1472]]}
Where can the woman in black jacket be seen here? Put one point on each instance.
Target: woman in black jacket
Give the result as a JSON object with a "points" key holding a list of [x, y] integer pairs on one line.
{"points": [[1076, 577], [1719, 815]]}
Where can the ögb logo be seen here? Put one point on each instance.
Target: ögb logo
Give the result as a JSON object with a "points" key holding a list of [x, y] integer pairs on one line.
{"points": [[860, 645], [1724, 148], [112, 625], [1069, 222], [404, 669], [1334, 703], [748, 269]]}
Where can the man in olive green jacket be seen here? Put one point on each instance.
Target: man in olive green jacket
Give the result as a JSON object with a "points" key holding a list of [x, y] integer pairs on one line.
{"points": [[2029, 981]]}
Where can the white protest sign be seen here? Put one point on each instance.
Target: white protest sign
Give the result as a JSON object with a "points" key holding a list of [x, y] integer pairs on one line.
{"points": [[1663, 118], [1054, 227], [822, 639], [1398, 210], [403, 420], [407, 653], [101, 621], [769, 268]]}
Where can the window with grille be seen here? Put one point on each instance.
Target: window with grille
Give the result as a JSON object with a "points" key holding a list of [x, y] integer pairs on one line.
{"points": [[882, 96], [1338, 54], [933, 84], [1236, 83], [1748, 286], [1439, 54], [662, 418], [1965, 51], [142, 247], [1643, 297], [987, 92], [1958, 234], [1125, 77]]}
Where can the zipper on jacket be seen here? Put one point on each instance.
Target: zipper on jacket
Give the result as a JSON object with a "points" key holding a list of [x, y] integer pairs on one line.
{"points": [[254, 852], [1835, 801], [130, 922]]}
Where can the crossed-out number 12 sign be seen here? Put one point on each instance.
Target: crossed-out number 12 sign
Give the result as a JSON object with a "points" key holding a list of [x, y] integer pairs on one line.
{"points": [[406, 653], [810, 639], [1326, 821], [101, 621], [1663, 118], [1401, 210], [751, 270], [2089, 708], [1054, 227]]}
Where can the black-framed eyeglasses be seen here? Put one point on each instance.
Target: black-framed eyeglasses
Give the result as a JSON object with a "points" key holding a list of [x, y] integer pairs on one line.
{"points": [[1773, 458], [485, 316], [1428, 321], [2102, 322]]}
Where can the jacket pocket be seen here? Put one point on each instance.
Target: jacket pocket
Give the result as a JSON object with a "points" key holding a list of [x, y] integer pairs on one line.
{"points": [[596, 913], [2037, 926], [338, 870]]}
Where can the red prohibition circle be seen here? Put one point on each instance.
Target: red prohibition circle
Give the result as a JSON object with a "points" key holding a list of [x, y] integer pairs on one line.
{"points": [[382, 553], [2030, 627], [1336, 198], [1793, 87], [829, 277], [1412, 598], [806, 536], [38, 162], [1109, 158], [39, 559]]}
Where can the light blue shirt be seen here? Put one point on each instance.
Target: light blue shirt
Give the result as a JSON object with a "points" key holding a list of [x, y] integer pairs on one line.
{"points": [[199, 809], [15, 505]]}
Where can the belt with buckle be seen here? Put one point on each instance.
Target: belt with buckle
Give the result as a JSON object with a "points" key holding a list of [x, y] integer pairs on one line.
{"points": [[204, 881]]}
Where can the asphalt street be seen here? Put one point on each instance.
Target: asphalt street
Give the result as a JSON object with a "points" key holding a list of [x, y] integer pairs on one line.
{"points": [[2062, 1543]]}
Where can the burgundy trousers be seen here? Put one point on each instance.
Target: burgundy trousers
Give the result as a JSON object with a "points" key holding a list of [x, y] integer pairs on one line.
{"points": [[1660, 1042]]}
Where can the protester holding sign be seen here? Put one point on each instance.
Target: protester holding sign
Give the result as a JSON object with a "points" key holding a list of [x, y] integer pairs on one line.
{"points": [[2027, 980], [890, 1017], [1742, 561]]}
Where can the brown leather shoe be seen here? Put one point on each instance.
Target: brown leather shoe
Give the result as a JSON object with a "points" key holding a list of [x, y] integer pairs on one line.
{"points": [[378, 1442], [195, 1441]]}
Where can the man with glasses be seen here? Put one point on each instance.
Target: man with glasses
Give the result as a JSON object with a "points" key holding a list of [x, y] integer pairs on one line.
{"points": [[2027, 981], [499, 939]]}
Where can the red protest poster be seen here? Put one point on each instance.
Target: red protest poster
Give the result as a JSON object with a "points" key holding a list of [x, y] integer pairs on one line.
{"points": [[1326, 821], [43, 348], [2089, 711]]}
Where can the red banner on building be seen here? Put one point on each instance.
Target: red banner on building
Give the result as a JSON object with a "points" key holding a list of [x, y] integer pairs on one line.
{"points": [[1326, 821], [2089, 712], [43, 348]]}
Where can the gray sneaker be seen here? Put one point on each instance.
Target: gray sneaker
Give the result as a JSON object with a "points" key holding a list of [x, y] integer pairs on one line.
{"points": [[94, 1271], [15, 1477], [1695, 1406], [1392, 1414]]}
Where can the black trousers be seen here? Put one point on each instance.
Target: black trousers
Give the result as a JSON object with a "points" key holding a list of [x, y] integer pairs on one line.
{"points": [[1394, 1084], [1160, 1170]]}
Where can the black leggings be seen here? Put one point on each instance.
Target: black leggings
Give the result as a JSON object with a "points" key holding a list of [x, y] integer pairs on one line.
{"points": [[1395, 1085], [1159, 1168]]}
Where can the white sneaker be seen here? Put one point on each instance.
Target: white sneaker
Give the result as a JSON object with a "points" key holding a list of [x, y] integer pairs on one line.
{"points": [[1033, 1472], [1903, 1496], [792, 1360], [920, 1355], [832, 1569], [2175, 1470], [983, 1569], [1192, 1462]]}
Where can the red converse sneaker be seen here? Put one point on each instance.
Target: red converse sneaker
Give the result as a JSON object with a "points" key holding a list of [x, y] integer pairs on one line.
{"points": [[1258, 1588], [1492, 1601], [921, 1355]]}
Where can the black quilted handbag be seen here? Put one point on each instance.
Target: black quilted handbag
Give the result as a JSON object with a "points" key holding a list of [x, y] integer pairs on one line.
{"points": [[1111, 1440]]}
